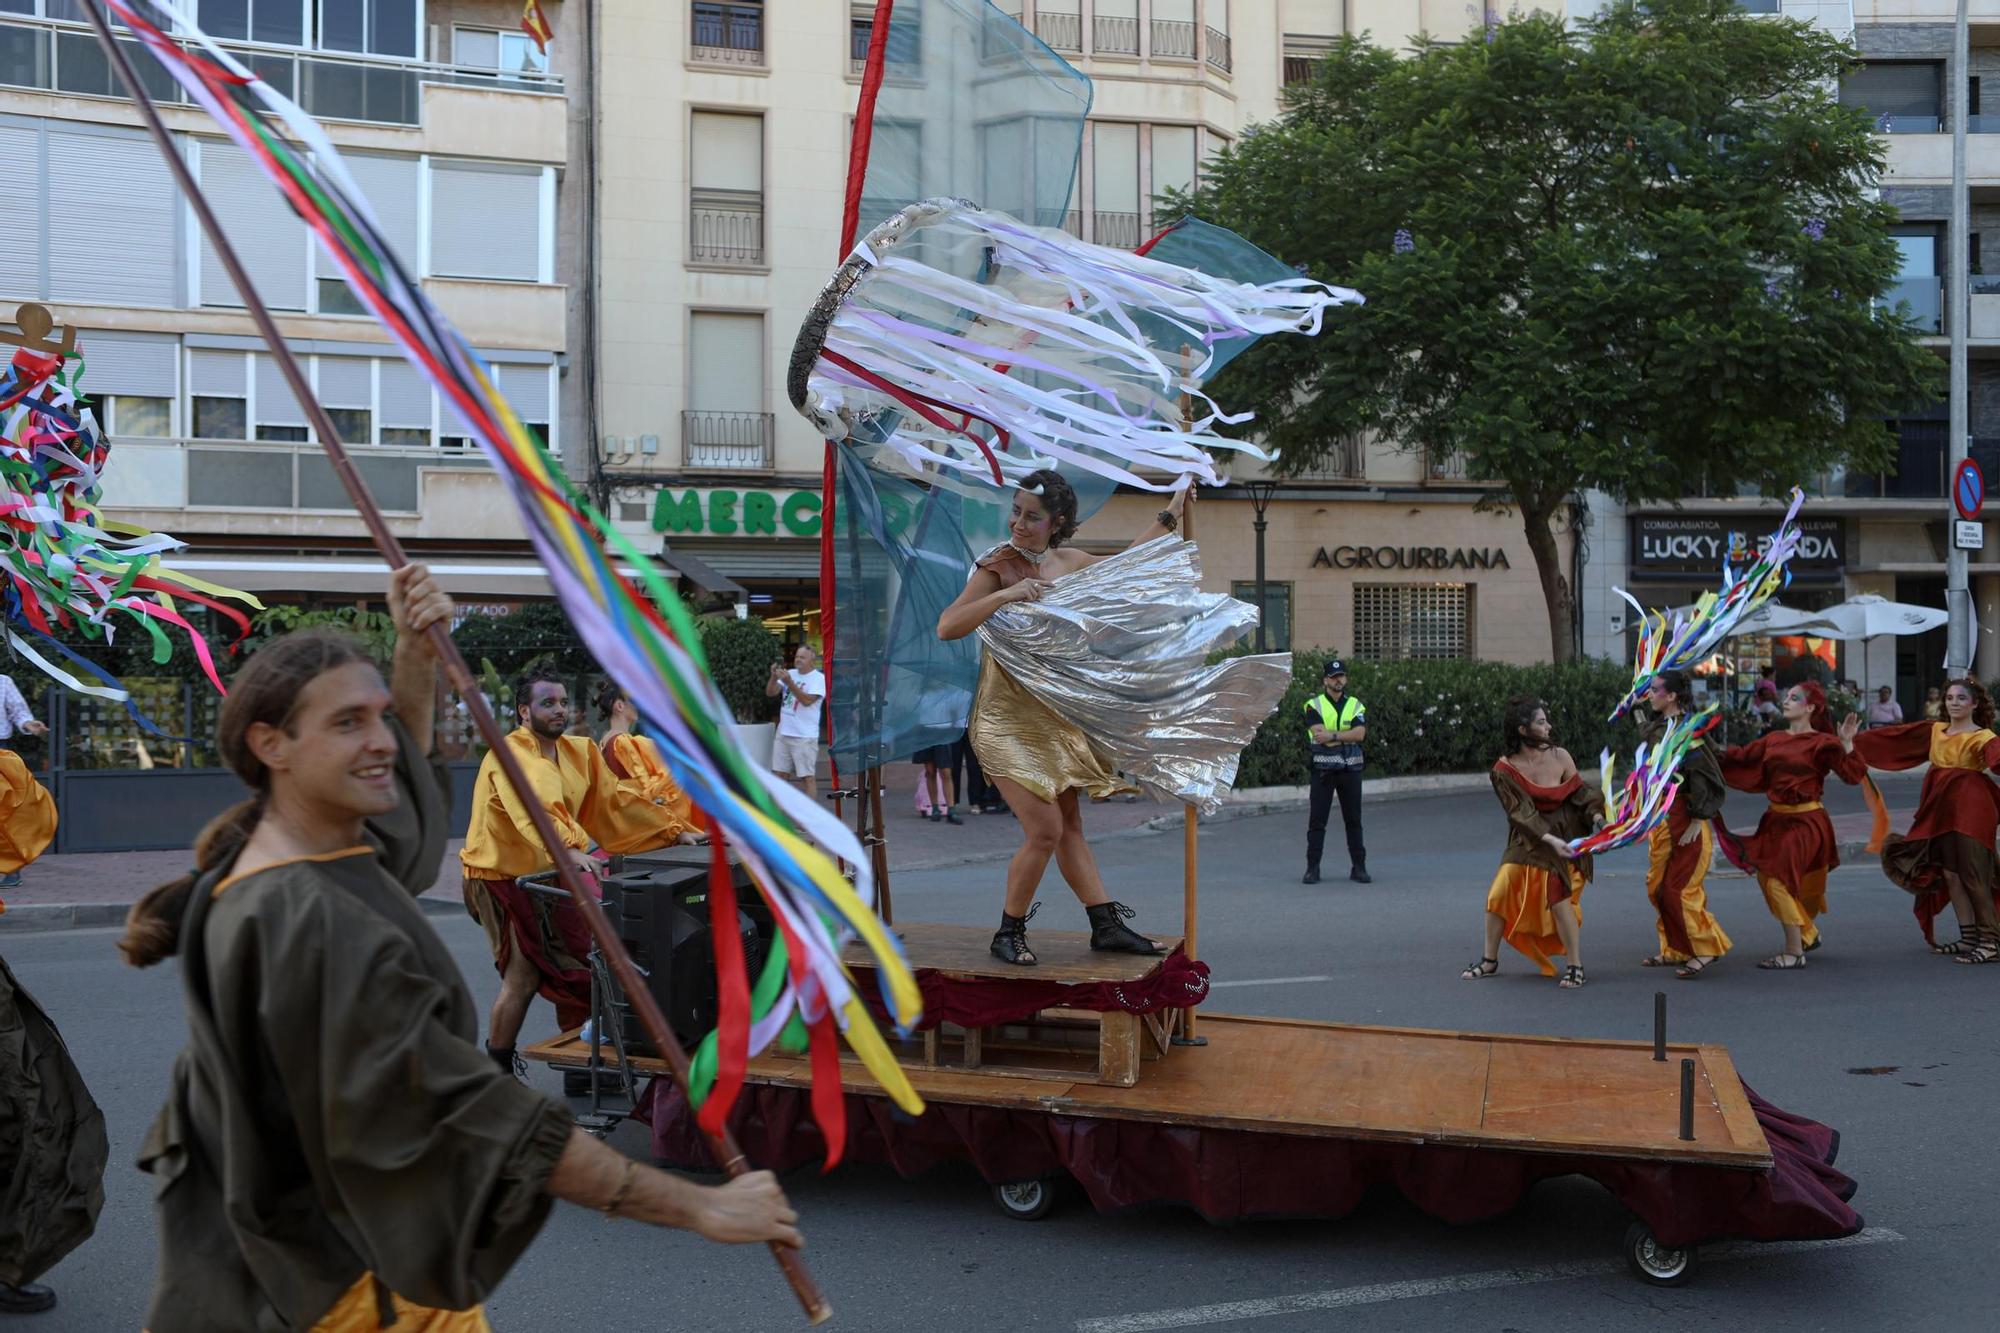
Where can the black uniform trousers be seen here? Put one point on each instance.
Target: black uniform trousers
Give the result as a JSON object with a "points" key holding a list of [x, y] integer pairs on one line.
{"points": [[1326, 784]]}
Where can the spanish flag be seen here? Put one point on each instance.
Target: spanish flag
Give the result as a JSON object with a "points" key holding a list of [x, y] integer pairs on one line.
{"points": [[536, 24]]}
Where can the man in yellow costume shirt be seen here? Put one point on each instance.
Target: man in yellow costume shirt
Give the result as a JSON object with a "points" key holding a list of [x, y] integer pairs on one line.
{"points": [[541, 945]]}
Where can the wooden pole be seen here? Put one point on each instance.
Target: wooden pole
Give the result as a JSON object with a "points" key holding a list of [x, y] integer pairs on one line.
{"points": [[723, 1145], [878, 847], [1190, 817]]}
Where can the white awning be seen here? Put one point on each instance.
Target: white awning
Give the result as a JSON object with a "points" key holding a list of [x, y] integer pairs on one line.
{"points": [[366, 577]]}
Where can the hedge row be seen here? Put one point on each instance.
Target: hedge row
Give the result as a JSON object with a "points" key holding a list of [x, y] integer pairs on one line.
{"points": [[1441, 717]]}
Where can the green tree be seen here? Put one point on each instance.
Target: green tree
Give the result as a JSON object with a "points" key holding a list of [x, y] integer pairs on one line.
{"points": [[1639, 257]]}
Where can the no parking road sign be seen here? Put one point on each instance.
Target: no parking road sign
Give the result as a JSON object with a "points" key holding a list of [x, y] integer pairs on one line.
{"points": [[1968, 490]]}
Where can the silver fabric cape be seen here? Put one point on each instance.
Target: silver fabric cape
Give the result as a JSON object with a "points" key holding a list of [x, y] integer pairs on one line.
{"points": [[1121, 649]]}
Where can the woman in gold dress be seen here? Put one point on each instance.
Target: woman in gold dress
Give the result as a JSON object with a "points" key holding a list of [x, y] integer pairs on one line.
{"points": [[1039, 760]]}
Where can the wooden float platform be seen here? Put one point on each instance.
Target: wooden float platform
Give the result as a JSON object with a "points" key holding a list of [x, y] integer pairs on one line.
{"points": [[1556, 1095]]}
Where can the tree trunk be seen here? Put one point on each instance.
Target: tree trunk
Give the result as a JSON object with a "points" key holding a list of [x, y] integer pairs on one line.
{"points": [[1556, 591]]}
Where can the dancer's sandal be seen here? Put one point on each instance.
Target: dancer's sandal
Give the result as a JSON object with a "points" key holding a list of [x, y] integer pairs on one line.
{"points": [[1657, 960], [1010, 942], [1814, 946], [1783, 962], [1479, 971], [1985, 949], [1693, 968], [1963, 944], [1572, 977]]}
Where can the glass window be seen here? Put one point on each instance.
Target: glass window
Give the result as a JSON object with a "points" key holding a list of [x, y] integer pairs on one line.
{"points": [[337, 298], [380, 27], [406, 437], [479, 47], [282, 434], [1277, 612], [131, 414], [17, 6], [1901, 97], [225, 20], [219, 418], [355, 424], [343, 24]]}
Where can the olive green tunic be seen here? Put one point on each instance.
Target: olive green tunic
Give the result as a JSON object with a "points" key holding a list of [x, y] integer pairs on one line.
{"points": [[332, 1114]]}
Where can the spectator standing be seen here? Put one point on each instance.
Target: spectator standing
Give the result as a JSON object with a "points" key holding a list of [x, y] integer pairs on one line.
{"points": [[1934, 704], [1885, 711], [1338, 724], [795, 753], [15, 716]]}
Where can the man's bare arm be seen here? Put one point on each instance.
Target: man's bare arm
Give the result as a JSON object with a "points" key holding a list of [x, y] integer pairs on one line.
{"points": [[747, 1209], [415, 604]]}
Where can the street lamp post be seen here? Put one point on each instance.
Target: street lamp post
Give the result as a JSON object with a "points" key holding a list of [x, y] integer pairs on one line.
{"points": [[1260, 493]]}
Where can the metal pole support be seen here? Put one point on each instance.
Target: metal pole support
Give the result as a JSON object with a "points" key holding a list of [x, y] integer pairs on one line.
{"points": [[1687, 1101]]}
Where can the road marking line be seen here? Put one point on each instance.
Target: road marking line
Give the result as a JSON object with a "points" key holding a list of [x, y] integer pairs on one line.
{"points": [[1341, 1298], [1266, 981]]}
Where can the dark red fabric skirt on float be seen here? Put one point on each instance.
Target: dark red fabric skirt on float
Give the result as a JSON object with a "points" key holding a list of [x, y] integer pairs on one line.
{"points": [[1233, 1175]]}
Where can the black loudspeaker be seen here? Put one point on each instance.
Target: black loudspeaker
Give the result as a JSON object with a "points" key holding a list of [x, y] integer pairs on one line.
{"points": [[658, 904]]}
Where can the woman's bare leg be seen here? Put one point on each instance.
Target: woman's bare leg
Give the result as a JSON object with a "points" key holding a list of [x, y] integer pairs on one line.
{"points": [[1041, 834], [1570, 931], [1073, 856]]}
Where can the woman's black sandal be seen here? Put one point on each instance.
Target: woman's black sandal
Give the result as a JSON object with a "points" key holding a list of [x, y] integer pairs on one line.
{"points": [[1010, 942], [1572, 977], [1479, 971]]}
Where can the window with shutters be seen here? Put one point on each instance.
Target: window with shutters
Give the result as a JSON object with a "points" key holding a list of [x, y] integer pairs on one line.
{"points": [[218, 395], [278, 416], [1115, 214], [724, 427], [267, 236], [1173, 168], [1423, 621], [727, 32], [486, 221], [1215, 36], [132, 380], [726, 200], [391, 185], [346, 388], [404, 405], [902, 50], [500, 51], [377, 27], [1901, 97], [118, 251]]}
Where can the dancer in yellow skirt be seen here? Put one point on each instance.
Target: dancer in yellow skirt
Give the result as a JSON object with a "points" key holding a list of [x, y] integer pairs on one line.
{"points": [[637, 764], [1535, 901], [1681, 845]]}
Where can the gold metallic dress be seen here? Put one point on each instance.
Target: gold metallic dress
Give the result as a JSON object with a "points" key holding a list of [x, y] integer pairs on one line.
{"points": [[1107, 675]]}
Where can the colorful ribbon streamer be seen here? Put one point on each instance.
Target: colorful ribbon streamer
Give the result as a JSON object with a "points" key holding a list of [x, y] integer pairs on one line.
{"points": [[1632, 811], [639, 632], [1691, 638], [63, 566]]}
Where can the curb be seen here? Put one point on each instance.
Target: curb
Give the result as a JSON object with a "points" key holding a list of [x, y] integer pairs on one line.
{"points": [[27, 918]]}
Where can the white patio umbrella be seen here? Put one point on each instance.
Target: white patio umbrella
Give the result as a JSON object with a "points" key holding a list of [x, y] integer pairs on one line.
{"points": [[1867, 618]]}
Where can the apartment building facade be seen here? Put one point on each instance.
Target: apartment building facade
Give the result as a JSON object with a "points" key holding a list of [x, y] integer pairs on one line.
{"points": [[1887, 533], [723, 146], [459, 131]]}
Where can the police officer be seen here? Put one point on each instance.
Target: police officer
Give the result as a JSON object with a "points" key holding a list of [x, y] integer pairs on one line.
{"points": [[1338, 723]]}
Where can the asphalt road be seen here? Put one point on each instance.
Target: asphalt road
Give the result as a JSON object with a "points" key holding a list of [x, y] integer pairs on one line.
{"points": [[934, 1254]]}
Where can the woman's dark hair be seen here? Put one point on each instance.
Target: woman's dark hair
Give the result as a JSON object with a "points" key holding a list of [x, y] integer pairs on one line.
{"points": [[268, 690], [1676, 683], [1982, 702], [1058, 498], [609, 696], [1521, 710], [537, 673]]}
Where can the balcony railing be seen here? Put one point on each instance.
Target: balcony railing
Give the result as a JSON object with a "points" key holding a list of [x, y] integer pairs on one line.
{"points": [[245, 475], [331, 85], [1894, 123], [726, 441], [1114, 36], [1347, 460], [1172, 40], [1923, 296], [727, 33], [726, 227], [1218, 49], [1454, 469], [1063, 32], [1120, 231]]}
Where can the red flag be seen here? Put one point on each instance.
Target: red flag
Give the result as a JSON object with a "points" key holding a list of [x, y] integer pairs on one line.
{"points": [[536, 24]]}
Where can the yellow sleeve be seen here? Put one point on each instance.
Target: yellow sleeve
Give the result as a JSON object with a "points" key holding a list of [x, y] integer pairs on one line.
{"points": [[501, 842], [619, 815]]}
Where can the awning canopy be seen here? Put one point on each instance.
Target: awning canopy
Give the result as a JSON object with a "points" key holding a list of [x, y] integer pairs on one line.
{"points": [[702, 574], [365, 576]]}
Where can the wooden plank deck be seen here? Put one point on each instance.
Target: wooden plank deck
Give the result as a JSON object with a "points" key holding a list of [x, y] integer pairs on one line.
{"points": [[1066, 955], [1332, 1080]]}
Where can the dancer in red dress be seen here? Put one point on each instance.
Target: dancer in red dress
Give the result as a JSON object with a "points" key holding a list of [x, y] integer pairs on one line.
{"points": [[1793, 847], [1947, 856]]}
